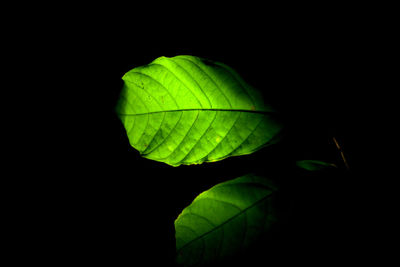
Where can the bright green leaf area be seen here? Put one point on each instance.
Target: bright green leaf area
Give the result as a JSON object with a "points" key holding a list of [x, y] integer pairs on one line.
{"points": [[314, 165], [224, 220], [189, 110]]}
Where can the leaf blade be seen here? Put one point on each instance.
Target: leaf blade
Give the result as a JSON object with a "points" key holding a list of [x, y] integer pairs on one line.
{"points": [[188, 84], [314, 165], [224, 219]]}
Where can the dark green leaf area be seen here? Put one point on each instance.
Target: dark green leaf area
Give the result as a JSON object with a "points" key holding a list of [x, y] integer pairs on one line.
{"points": [[224, 220], [314, 165]]}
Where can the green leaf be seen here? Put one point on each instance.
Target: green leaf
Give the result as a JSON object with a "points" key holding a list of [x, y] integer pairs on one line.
{"points": [[314, 165], [189, 110], [224, 220]]}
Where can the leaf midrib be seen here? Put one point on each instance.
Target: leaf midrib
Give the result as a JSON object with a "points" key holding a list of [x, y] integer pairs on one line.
{"points": [[225, 222], [199, 109]]}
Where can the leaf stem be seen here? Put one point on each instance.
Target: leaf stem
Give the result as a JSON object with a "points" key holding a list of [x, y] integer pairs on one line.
{"points": [[341, 153]]}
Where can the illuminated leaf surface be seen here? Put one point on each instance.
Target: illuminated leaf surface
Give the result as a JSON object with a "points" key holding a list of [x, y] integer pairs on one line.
{"points": [[224, 220], [189, 110]]}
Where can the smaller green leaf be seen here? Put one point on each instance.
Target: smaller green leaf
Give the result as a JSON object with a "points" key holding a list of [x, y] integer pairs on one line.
{"points": [[314, 165], [224, 220]]}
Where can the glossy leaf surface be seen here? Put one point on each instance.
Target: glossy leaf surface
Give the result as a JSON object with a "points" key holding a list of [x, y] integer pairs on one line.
{"points": [[224, 220], [189, 110]]}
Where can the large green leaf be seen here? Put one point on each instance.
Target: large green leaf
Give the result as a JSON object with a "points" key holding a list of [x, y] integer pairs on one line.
{"points": [[189, 110], [224, 220]]}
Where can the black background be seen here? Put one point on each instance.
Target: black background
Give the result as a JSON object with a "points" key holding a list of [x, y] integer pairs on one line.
{"points": [[96, 200]]}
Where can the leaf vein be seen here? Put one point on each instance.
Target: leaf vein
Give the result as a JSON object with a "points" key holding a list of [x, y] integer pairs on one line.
{"points": [[147, 109], [169, 134], [211, 79], [133, 123], [223, 138], [191, 76], [232, 74], [147, 122], [184, 137], [152, 139], [223, 201], [247, 137], [170, 71], [201, 137], [153, 79], [204, 109], [227, 221], [200, 216]]}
